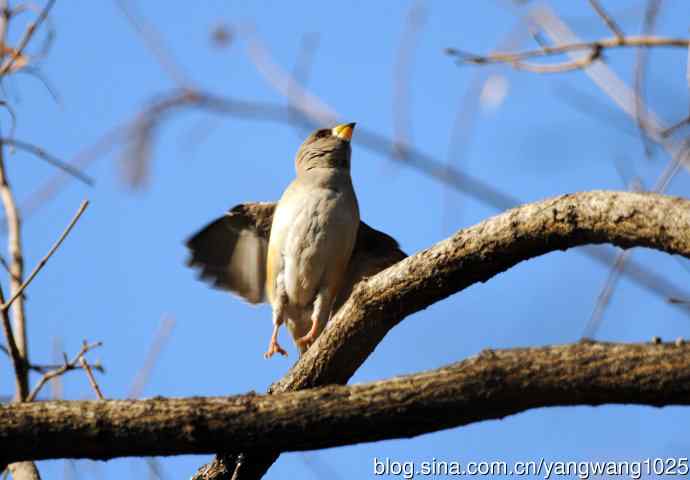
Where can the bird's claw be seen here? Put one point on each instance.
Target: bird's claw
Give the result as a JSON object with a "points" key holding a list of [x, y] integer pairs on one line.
{"points": [[274, 348], [306, 341]]}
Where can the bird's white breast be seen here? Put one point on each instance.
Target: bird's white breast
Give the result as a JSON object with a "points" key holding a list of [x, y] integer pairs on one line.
{"points": [[316, 227]]}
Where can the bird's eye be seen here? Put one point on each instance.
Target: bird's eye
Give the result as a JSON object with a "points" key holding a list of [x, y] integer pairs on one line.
{"points": [[323, 133]]}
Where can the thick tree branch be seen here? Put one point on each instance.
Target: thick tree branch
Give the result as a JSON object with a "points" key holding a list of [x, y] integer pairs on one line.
{"points": [[475, 255], [489, 386]]}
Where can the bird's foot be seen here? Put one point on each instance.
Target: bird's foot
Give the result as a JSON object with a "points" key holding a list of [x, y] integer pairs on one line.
{"points": [[273, 348], [306, 341]]}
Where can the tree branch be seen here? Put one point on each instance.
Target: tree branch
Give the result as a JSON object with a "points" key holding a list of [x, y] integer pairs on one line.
{"points": [[489, 386], [474, 255], [516, 59], [17, 333]]}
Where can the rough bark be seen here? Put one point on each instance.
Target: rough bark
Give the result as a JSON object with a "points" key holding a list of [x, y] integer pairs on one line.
{"points": [[492, 385]]}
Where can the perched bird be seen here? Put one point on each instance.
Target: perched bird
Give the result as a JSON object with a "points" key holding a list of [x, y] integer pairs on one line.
{"points": [[304, 254]]}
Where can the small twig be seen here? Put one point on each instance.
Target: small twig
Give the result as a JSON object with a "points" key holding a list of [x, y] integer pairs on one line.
{"points": [[301, 71], [682, 123], [607, 19], [68, 365], [567, 66], [642, 54], [36, 73], [44, 368], [402, 79], [92, 381], [13, 116], [44, 260], [604, 297], [49, 28], [155, 44], [159, 340], [623, 257], [28, 33], [18, 361], [99, 149], [306, 102], [51, 159], [39, 368], [603, 44]]}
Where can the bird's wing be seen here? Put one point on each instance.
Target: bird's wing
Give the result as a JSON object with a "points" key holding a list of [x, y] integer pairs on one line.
{"points": [[374, 251], [231, 251]]}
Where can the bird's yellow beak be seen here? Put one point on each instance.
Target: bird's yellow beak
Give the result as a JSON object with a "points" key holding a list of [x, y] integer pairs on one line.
{"points": [[343, 131]]}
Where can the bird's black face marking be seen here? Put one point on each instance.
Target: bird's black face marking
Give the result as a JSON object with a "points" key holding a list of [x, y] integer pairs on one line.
{"points": [[324, 132]]}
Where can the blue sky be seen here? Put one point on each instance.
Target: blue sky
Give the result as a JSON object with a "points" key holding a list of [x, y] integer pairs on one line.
{"points": [[122, 269]]}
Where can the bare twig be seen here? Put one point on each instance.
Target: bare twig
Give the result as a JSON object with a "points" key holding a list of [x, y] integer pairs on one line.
{"points": [[610, 23], [51, 159], [642, 56], [603, 76], [285, 83], [302, 69], [92, 381], [38, 75], [86, 156], [155, 44], [402, 75], [681, 123], [594, 47], [604, 297], [28, 33], [159, 340], [43, 368], [568, 66], [68, 366], [13, 116], [44, 260]]}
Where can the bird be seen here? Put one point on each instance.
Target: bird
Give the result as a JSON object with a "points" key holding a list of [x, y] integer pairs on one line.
{"points": [[304, 254]]}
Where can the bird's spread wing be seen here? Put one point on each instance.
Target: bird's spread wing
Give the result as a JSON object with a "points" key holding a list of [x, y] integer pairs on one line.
{"points": [[231, 252], [374, 251]]}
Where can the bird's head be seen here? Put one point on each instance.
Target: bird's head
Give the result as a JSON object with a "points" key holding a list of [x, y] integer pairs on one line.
{"points": [[326, 148]]}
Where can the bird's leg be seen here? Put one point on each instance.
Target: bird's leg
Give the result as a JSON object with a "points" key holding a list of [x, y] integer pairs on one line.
{"points": [[278, 318], [320, 313], [273, 345]]}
